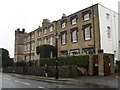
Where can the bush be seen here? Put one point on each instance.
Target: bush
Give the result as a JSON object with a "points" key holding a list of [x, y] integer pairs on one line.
{"points": [[81, 61]]}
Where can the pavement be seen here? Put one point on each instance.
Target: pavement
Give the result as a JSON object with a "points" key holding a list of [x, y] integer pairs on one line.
{"points": [[110, 81]]}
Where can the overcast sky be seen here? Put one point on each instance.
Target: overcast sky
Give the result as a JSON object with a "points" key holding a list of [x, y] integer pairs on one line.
{"points": [[29, 14]]}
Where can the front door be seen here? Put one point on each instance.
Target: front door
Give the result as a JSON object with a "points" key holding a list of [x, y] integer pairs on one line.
{"points": [[107, 69]]}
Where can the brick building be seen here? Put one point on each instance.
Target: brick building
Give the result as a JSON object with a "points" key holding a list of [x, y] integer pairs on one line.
{"points": [[90, 29]]}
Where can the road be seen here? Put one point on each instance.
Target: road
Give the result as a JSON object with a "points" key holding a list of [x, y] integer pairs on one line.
{"points": [[9, 81]]}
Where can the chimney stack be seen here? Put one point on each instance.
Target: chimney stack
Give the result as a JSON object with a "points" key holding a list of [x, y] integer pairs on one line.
{"points": [[45, 22]]}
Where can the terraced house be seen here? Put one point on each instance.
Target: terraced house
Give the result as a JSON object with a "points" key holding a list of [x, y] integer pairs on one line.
{"points": [[85, 31]]}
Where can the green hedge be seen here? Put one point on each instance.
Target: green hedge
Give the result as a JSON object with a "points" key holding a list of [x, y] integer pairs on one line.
{"points": [[81, 61]]}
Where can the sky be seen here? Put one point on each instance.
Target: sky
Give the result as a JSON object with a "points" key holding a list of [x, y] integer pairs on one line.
{"points": [[29, 14]]}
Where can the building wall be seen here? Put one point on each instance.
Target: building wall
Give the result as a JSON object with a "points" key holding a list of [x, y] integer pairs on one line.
{"points": [[119, 30], [98, 32], [19, 45], [108, 18], [81, 43], [31, 54]]}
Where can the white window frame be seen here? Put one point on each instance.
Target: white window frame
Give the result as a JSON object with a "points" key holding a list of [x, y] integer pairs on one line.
{"points": [[28, 48], [74, 21], [87, 33], [33, 45], [63, 25], [45, 31], [33, 35], [39, 33], [86, 16], [51, 40], [119, 44], [74, 36], [25, 47], [45, 40], [51, 29], [64, 38], [39, 42], [32, 56], [51, 54], [28, 38], [72, 52]]}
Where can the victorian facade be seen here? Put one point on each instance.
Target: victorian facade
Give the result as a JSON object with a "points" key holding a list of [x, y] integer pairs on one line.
{"points": [[85, 31]]}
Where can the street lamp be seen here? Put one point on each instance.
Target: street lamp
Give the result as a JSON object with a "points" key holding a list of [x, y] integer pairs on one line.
{"points": [[57, 73]]}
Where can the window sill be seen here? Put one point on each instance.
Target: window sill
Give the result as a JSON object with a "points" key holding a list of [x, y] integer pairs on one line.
{"points": [[74, 42]]}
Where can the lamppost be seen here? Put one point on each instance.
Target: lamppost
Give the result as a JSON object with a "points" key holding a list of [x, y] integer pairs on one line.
{"points": [[56, 42]]}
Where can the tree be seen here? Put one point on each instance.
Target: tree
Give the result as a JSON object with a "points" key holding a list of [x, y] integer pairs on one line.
{"points": [[6, 60]]}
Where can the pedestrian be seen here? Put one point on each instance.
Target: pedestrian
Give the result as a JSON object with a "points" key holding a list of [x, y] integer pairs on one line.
{"points": [[46, 70]]}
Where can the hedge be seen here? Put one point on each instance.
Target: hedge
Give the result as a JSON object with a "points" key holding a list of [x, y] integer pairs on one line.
{"points": [[81, 61]]}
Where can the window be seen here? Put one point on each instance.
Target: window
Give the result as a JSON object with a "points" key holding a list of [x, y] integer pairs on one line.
{"points": [[32, 46], [119, 44], [45, 40], [87, 50], [74, 21], [108, 32], [28, 38], [63, 53], [74, 36], [44, 31], [39, 42], [28, 46], [86, 16], [107, 16], [51, 40], [25, 47], [32, 56], [63, 25], [51, 29], [39, 33], [63, 41], [33, 35], [74, 52], [87, 34], [51, 54]]}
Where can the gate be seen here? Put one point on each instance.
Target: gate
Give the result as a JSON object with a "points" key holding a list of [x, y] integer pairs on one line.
{"points": [[95, 64]]}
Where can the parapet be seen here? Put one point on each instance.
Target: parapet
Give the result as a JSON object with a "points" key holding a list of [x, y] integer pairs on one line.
{"points": [[18, 31]]}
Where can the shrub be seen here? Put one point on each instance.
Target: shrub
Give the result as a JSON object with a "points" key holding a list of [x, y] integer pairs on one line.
{"points": [[81, 61]]}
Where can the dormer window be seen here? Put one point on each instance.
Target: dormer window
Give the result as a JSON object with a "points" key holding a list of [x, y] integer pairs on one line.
{"points": [[63, 25]]}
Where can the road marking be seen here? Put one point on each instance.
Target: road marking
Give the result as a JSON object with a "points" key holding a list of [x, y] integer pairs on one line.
{"points": [[40, 87], [17, 81], [7, 78], [25, 83], [22, 82]]}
